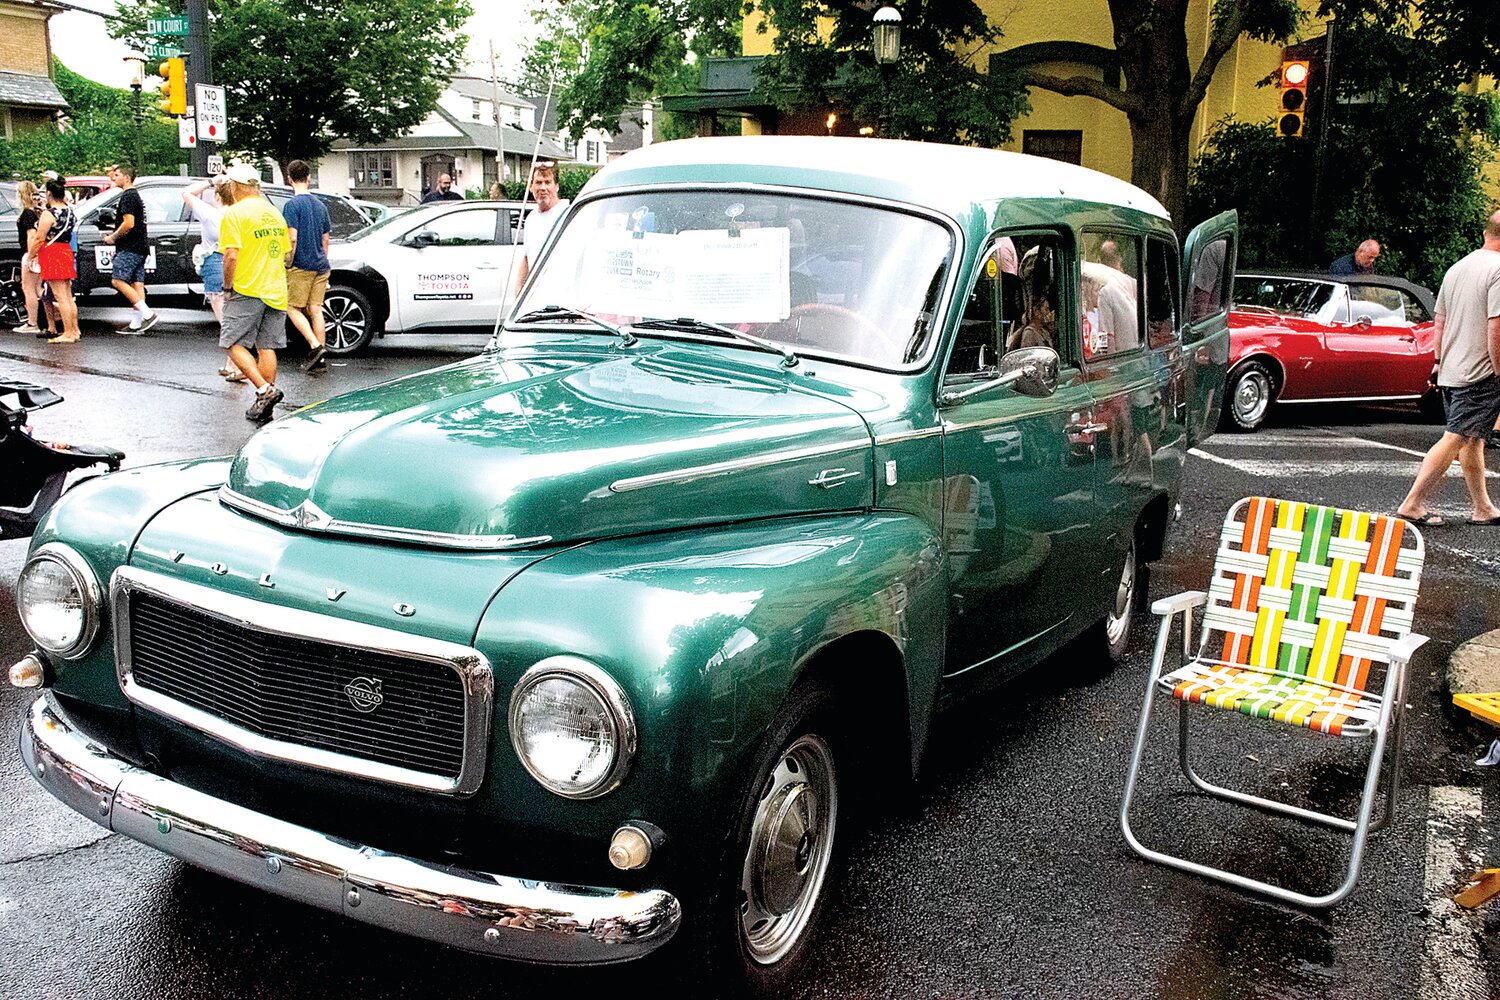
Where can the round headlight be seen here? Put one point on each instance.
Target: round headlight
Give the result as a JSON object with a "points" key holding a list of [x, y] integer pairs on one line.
{"points": [[572, 727], [60, 601]]}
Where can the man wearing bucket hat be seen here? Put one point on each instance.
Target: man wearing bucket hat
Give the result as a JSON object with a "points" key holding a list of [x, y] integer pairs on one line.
{"points": [[253, 238]]}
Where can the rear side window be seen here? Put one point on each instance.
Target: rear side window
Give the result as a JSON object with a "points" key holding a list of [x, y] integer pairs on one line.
{"points": [[343, 217], [1161, 293], [1110, 301], [163, 204]]}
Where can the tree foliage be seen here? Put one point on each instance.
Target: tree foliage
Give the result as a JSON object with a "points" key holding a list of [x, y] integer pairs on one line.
{"points": [[599, 56], [1405, 151], [935, 92], [301, 73], [100, 130]]}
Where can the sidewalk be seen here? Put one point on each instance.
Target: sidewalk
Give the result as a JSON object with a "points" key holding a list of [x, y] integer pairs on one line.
{"points": [[1474, 669]]}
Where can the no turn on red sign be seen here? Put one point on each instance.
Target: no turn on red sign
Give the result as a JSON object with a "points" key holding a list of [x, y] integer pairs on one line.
{"points": [[212, 121]]}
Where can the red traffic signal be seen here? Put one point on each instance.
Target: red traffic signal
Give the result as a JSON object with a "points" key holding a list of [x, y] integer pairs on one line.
{"points": [[1294, 74]]}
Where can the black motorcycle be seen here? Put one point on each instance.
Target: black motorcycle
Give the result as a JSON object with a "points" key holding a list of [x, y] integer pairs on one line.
{"points": [[35, 471]]}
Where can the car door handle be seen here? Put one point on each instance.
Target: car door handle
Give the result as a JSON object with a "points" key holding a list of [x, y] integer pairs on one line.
{"points": [[486, 265], [829, 478]]}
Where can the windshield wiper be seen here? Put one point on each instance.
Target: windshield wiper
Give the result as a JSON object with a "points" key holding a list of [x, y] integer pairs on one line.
{"points": [[627, 339], [788, 359]]}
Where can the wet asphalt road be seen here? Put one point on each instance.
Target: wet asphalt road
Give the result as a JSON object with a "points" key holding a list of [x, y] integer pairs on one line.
{"points": [[1006, 877]]}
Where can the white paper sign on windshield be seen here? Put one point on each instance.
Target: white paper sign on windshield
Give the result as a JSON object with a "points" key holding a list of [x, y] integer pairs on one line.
{"points": [[705, 274]]}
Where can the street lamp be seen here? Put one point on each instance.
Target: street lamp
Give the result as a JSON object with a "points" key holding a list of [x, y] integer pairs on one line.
{"points": [[137, 66], [886, 41]]}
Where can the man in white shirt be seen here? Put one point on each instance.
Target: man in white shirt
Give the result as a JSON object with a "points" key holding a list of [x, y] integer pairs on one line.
{"points": [[549, 208]]}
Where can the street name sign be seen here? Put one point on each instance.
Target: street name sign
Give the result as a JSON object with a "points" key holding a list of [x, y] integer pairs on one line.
{"points": [[212, 121], [156, 50], [167, 26]]}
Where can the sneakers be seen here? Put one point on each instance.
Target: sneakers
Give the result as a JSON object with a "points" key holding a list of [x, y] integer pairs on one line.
{"points": [[264, 405], [27, 328], [150, 321], [317, 361]]}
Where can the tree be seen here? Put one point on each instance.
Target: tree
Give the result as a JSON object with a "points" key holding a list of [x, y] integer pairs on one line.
{"points": [[597, 57], [99, 130], [299, 74], [821, 54], [1161, 90], [1409, 143]]}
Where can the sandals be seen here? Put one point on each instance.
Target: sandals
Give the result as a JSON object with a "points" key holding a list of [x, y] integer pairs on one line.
{"points": [[1427, 520], [1489, 522], [63, 340], [235, 376]]}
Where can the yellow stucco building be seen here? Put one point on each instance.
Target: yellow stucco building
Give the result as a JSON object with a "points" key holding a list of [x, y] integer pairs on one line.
{"points": [[1063, 39]]}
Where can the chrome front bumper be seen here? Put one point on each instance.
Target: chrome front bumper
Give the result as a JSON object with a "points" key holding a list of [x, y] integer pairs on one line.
{"points": [[490, 914]]}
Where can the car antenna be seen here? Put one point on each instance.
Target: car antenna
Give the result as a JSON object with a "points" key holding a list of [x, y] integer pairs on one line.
{"points": [[536, 148]]}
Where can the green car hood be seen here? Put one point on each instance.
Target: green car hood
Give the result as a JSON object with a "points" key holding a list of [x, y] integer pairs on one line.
{"points": [[557, 446]]}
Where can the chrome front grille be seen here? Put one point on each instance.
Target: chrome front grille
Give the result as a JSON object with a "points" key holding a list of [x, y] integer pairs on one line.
{"points": [[303, 687]]}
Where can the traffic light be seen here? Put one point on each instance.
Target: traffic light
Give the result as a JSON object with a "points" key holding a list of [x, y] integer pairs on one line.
{"points": [[1294, 74], [174, 87]]}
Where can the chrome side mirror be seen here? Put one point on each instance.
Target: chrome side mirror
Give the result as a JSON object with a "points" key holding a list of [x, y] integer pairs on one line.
{"points": [[1363, 322], [1031, 371]]}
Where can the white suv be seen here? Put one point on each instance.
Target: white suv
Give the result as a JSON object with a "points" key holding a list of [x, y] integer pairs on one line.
{"points": [[446, 264]]}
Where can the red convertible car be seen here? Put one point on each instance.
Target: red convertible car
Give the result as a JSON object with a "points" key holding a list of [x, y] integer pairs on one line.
{"points": [[1311, 338]]}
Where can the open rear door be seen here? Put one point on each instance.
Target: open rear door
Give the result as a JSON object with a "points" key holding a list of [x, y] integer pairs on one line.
{"points": [[1208, 285]]}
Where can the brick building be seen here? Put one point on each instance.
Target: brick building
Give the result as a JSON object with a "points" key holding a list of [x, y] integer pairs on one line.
{"points": [[28, 97]]}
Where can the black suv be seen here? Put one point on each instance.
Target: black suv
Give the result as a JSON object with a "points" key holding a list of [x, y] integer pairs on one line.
{"points": [[173, 233]]}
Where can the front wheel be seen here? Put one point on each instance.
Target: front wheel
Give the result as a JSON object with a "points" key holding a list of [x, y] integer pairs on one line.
{"points": [[773, 891], [348, 319], [1104, 644], [1248, 395]]}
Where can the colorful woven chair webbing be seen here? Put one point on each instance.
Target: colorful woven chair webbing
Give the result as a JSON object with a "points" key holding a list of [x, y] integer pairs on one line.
{"points": [[1304, 603]]}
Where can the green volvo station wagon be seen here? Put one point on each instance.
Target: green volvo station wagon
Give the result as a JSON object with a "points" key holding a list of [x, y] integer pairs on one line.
{"points": [[594, 640]]}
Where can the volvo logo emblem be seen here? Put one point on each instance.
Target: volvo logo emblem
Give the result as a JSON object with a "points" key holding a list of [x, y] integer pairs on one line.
{"points": [[364, 694]]}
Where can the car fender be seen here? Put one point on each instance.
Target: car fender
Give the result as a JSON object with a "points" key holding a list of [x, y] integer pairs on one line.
{"points": [[373, 283], [707, 631]]}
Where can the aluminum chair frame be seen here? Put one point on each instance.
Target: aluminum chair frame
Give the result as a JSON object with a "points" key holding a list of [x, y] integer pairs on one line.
{"points": [[1386, 729]]}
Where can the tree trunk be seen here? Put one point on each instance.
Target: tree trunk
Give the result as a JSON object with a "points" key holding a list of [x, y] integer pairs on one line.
{"points": [[1160, 150]]}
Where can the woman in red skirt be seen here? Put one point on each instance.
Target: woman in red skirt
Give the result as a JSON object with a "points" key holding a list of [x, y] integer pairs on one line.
{"points": [[52, 244]]}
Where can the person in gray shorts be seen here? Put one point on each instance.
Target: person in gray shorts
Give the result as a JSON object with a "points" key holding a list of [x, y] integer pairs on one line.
{"points": [[1468, 359], [253, 237]]}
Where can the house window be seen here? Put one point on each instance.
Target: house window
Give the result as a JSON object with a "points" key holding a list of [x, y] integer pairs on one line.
{"points": [[477, 110], [374, 169], [1055, 144]]}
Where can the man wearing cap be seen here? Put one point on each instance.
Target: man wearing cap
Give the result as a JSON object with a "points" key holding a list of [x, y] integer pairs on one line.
{"points": [[253, 238]]}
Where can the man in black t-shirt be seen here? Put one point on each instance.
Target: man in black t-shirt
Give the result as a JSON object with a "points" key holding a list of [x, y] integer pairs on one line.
{"points": [[132, 247]]}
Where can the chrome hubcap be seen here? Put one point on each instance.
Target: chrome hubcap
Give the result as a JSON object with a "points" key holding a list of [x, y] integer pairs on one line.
{"points": [[344, 320], [12, 296], [791, 842], [1251, 396], [1117, 622]]}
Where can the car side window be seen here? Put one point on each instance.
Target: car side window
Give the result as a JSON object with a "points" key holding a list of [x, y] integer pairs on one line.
{"points": [[1161, 293], [1384, 306], [1110, 303], [469, 228], [1210, 284], [511, 220], [343, 217], [1336, 309], [163, 204], [1014, 301]]}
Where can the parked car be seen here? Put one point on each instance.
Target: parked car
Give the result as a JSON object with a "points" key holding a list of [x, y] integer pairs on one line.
{"points": [[10, 201], [1301, 337], [377, 211], [172, 231], [448, 264], [83, 187], [590, 640]]}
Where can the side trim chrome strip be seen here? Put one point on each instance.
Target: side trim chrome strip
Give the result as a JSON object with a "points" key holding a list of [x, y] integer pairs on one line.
{"points": [[1352, 399], [897, 437], [471, 666], [694, 473], [334, 526]]}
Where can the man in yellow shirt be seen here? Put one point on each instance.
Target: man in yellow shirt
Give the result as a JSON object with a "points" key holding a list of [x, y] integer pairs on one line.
{"points": [[253, 238]]}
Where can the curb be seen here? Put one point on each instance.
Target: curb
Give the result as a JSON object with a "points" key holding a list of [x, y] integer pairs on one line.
{"points": [[1474, 667]]}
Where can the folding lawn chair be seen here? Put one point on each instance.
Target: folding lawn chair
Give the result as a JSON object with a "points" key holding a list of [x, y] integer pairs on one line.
{"points": [[1308, 616]]}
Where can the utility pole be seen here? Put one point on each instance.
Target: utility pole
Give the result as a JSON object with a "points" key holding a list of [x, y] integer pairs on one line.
{"points": [[499, 128], [198, 71], [1325, 114]]}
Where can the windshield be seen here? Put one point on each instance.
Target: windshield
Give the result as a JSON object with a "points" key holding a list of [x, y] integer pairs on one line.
{"points": [[815, 275], [373, 227], [1285, 296]]}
